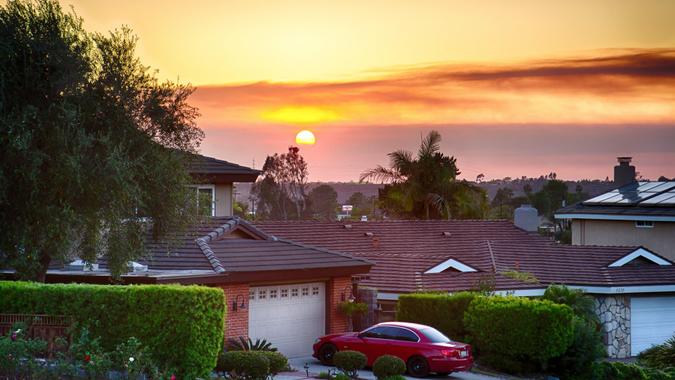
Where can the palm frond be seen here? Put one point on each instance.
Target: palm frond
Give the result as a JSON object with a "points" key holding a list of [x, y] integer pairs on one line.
{"points": [[430, 144], [381, 174], [401, 160]]}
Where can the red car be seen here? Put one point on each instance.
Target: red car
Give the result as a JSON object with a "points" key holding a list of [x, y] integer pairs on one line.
{"points": [[424, 349]]}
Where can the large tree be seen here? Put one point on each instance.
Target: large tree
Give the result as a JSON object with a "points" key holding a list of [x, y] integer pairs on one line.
{"points": [[426, 185], [281, 189], [90, 143], [323, 202]]}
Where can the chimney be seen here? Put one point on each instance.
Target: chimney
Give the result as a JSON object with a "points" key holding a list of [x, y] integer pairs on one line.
{"points": [[624, 173], [526, 218]]}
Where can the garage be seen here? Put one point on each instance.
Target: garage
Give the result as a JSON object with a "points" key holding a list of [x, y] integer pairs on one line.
{"points": [[652, 321], [289, 316]]}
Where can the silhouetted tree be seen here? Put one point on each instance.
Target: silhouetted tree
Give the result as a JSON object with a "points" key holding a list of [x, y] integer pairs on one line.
{"points": [[323, 202]]}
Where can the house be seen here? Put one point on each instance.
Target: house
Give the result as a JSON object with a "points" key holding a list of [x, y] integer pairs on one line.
{"points": [[279, 290], [636, 213], [634, 287], [214, 182]]}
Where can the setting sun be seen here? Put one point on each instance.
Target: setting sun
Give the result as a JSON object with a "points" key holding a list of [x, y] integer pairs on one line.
{"points": [[305, 137], [301, 115]]}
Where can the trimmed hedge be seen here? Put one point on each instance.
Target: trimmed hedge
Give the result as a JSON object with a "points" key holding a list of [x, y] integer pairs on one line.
{"points": [[622, 371], [516, 334], [387, 366], [442, 311], [182, 326], [350, 362], [247, 365]]}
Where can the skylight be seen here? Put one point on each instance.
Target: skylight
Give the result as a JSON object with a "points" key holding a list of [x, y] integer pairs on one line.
{"points": [[640, 253], [450, 263]]}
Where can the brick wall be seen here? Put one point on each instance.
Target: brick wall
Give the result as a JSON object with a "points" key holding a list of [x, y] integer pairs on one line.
{"points": [[237, 321], [336, 322]]}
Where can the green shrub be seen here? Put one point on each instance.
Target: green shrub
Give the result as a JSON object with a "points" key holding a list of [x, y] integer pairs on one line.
{"points": [[352, 308], [622, 371], [394, 377], [324, 375], [442, 311], [245, 365], [661, 356], [246, 344], [342, 376], [587, 344], [387, 365], [182, 326], [278, 362], [516, 334], [349, 362]]}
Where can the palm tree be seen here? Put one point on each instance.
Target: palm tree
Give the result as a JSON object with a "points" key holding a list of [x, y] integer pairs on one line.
{"points": [[420, 183]]}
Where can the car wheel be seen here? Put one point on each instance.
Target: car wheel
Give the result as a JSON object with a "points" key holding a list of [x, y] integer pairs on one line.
{"points": [[418, 366], [326, 353]]}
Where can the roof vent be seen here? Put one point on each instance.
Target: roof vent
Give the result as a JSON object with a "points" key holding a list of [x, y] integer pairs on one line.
{"points": [[624, 173], [136, 267], [369, 234], [348, 226], [81, 265], [364, 218], [446, 233]]}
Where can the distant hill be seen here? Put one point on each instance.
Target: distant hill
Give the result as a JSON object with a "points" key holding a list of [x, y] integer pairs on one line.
{"points": [[346, 189]]}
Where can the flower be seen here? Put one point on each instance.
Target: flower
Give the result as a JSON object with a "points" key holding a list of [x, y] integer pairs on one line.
{"points": [[87, 358], [13, 337], [131, 359], [173, 377]]}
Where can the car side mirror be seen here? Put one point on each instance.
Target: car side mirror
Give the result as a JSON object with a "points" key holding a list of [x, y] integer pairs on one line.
{"points": [[361, 335]]}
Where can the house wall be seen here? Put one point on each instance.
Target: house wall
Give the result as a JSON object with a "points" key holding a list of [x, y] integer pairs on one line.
{"points": [[614, 314], [224, 199], [336, 322], [237, 321], [659, 239]]}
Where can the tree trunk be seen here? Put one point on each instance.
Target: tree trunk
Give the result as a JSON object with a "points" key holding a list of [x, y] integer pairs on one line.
{"points": [[45, 259]]}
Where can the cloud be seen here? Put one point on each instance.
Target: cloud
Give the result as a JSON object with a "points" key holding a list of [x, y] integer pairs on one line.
{"points": [[633, 86]]}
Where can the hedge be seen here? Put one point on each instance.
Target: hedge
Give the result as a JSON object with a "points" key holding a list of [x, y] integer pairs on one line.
{"points": [[182, 326], [517, 334], [623, 371], [444, 312]]}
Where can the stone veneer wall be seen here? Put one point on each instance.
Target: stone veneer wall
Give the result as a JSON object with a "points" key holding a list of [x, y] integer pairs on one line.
{"points": [[614, 314]]}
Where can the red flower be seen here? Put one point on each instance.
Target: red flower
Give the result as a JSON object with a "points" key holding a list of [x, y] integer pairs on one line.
{"points": [[87, 358], [173, 377]]}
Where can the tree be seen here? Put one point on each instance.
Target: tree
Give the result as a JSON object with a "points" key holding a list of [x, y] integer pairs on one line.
{"points": [[323, 202], [503, 202], [282, 185], [90, 144], [425, 185], [362, 205]]}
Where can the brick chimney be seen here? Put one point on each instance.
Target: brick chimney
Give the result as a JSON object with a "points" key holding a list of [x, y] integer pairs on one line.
{"points": [[624, 173]]}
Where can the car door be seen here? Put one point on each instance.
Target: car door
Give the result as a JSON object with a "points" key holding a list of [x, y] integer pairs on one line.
{"points": [[404, 343], [371, 343]]}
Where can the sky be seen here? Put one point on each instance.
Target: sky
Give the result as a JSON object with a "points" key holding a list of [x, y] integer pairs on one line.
{"points": [[516, 88]]}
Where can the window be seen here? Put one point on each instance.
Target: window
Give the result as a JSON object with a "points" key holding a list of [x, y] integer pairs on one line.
{"points": [[251, 294], [206, 199], [315, 290], [273, 293], [305, 291], [262, 294], [435, 336], [644, 224], [377, 332], [294, 292], [284, 293], [405, 335]]}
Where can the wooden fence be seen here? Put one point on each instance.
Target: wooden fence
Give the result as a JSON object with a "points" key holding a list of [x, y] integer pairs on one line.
{"points": [[46, 327]]}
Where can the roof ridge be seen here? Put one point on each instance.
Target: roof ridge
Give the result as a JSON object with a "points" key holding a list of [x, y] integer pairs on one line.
{"points": [[203, 243], [321, 249]]}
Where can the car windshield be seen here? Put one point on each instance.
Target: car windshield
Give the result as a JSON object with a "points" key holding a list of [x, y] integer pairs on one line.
{"points": [[435, 336]]}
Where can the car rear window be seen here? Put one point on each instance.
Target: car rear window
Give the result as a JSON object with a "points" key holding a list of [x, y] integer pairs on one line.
{"points": [[435, 336]]}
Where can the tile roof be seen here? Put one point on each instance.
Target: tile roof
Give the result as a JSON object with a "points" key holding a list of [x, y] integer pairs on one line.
{"points": [[210, 247], [199, 164], [403, 250]]}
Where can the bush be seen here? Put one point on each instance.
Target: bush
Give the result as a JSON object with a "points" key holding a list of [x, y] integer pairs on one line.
{"points": [[278, 362], [387, 365], [182, 326], [246, 344], [342, 376], [515, 334], [587, 344], [394, 377], [622, 371], [350, 362], [245, 365], [661, 356], [442, 311]]}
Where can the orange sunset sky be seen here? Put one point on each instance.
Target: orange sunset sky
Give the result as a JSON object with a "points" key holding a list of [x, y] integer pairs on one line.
{"points": [[515, 87]]}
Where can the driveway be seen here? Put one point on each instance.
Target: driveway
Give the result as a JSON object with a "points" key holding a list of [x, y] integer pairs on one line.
{"points": [[315, 367]]}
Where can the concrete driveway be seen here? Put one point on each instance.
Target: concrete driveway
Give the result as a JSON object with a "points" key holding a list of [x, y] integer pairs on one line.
{"points": [[315, 367]]}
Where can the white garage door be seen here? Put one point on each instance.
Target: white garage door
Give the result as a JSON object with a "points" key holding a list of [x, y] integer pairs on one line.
{"points": [[291, 317], [652, 321]]}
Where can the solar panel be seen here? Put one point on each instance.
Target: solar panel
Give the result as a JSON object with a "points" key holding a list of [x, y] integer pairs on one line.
{"points": [[661, 199], [647, 193]]}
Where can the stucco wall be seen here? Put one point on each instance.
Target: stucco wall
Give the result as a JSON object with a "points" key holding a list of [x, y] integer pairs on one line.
{"points": [[659, 239], [224, 199]]}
